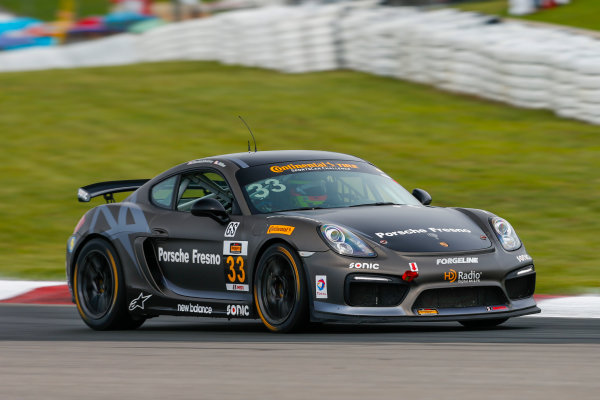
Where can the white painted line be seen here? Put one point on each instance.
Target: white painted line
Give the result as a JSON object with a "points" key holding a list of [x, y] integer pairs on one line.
{"points": [[10, 289]]}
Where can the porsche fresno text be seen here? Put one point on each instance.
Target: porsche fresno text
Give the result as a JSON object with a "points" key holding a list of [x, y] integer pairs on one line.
{"points": [[181, 256]]}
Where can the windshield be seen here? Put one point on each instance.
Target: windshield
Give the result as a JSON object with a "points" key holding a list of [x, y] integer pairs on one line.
{"points": [[319, 184]]}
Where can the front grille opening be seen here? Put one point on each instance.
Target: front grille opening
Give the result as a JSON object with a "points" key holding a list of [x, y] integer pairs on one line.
{"points": [[521, 287], [460, 297], [375, 294]]}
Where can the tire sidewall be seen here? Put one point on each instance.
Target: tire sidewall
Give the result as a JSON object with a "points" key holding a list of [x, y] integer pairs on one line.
{"points": [[299, 313], [115, 311]]}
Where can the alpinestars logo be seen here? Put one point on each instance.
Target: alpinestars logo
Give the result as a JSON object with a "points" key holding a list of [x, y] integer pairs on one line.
{"points": [[138, 302]]}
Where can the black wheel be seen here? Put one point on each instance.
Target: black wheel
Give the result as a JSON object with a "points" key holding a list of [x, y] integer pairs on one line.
{"points": [[280, 292], [483, 323], [99, 288]]}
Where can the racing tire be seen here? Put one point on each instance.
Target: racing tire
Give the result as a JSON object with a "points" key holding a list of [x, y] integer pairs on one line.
{"points": [[99, 288], [280, 292], [482, 323]]}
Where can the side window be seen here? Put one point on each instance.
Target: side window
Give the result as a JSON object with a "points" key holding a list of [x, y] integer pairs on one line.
{"points": [[162, 193], [203, 185]]}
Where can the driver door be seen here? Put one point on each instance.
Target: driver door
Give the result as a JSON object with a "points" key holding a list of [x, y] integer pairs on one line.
{"points": [[198, 256]]}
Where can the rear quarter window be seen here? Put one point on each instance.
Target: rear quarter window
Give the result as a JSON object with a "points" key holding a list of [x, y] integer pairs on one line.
{"points": [[162, 193]]}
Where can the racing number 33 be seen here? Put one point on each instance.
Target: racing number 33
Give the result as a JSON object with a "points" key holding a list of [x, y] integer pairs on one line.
{"points": [[234, 273]]}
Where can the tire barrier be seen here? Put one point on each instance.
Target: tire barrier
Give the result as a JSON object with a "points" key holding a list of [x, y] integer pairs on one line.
{"points": [[526, 66]]}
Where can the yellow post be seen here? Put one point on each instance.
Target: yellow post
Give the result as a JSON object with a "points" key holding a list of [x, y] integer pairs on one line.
{"points": [[66, 17]]}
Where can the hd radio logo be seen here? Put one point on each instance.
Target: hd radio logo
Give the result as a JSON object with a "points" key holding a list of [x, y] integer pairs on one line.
{"points": [[461, 277]]}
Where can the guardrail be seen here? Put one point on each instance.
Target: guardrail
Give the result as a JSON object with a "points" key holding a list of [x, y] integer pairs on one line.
{"points": [[527, 66]]}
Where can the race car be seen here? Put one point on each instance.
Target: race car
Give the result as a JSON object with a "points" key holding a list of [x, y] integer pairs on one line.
{"points": [[291, 238]]}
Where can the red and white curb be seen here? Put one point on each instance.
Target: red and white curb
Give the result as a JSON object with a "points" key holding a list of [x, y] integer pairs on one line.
{"points": [[38, 292], [34, 292]]}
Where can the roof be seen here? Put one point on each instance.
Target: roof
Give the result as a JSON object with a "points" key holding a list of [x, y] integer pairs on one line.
{"points": [[252, 159]]}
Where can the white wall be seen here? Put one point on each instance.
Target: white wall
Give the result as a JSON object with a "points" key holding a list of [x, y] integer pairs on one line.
{"points": [[511, 62]]}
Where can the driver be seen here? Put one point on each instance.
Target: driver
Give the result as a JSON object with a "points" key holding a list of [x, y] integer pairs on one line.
{"points": [[308, 193]]}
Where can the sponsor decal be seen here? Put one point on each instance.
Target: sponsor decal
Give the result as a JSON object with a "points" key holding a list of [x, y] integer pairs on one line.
{"points": [[462, 277], [321, 286], [214, 162], [496, 308], [427, 311], [237, 287], [262, 191], [457, 260], [71, 243], [138, 302], [200, 162], [483, 237], [231, 229], [312, 166], [524, 257], [280, 229], [421, 230], [235, 271], [413, 267], [183, 257], [443, 244], [235, 248], [364, 265], [236, 310], [383, 241], [194, 308]]}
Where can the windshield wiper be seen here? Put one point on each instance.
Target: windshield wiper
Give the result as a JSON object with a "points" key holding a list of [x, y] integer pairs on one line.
{"points": [[380, 203], [304, 208]]}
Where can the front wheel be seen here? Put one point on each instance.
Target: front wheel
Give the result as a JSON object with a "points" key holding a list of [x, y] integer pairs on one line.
{"points": [[99, 288], [280, 292], [483, 323]]}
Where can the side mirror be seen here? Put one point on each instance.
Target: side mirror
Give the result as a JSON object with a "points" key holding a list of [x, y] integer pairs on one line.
{"points": [[422, 196], [210, 208]]}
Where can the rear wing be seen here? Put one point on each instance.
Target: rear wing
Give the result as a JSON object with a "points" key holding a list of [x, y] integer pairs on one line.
{"points": [[106, 189]]}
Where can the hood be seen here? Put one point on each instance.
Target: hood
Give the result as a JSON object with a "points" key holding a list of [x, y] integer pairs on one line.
{"points": [[405, 228]]}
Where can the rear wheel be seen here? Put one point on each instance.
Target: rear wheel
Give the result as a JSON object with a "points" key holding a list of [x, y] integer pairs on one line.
{"points": [[280, 292], [99, 288], [483, 323]]}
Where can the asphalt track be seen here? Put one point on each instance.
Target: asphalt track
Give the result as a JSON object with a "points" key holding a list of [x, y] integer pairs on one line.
{"points": [[46, 352]]}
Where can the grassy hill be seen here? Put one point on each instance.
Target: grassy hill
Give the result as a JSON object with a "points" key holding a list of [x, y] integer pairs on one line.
{"points": [[46, 10], [63, 129]]}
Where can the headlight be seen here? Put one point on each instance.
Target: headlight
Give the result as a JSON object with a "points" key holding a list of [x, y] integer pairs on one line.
{"points": [[344, 242], [505, 234]]}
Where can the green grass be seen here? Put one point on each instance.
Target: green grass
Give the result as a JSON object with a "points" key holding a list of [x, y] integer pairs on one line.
{"points": [[46, 10], [579, 13], [63, 129]]}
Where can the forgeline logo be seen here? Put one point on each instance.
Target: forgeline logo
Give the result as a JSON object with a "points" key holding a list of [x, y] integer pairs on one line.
{"points": [[453, 276], [238, 310]]}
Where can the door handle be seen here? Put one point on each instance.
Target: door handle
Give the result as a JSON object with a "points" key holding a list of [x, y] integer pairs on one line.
{"points": [[160, 232]]}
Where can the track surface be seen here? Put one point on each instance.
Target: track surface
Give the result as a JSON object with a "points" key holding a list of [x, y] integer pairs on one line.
{"points": [[47, 352]]}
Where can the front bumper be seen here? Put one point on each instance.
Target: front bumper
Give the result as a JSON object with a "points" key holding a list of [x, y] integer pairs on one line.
{"points": [[493, 270]]}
